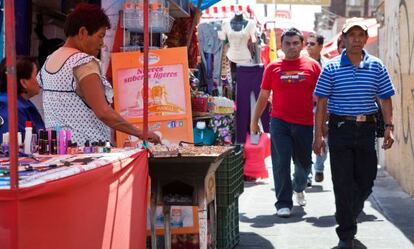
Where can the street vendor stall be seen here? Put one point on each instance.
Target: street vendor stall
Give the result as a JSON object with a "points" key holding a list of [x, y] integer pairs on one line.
{"points": [[101, 201], [76, 201], [186, 176]]}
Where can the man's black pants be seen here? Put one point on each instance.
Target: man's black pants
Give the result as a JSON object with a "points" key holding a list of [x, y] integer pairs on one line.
{"points": [[354, 168]]}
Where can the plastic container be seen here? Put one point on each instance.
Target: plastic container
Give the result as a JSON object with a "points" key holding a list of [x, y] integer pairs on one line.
{"points": [[28, 138], [229, 178], [130, 16], [228, 233]]}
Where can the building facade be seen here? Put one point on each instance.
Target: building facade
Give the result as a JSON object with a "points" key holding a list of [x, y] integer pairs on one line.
{"points": [[396, 49]]}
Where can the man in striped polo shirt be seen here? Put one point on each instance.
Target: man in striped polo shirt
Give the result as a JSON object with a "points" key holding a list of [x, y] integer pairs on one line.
{"points": [[291, 81], [347, 89]]}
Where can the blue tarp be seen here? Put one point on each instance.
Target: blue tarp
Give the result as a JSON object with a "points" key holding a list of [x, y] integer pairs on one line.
{"points": [[205, 3]]}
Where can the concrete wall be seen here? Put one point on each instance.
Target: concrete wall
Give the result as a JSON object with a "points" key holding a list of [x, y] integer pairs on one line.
{"points": [[396, 49]]}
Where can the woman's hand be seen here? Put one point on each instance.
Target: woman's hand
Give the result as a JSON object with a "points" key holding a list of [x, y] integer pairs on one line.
{"points": [[153, 138]]}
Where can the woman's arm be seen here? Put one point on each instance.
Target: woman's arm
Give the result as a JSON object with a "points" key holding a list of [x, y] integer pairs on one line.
{"points": [[91, 89]]}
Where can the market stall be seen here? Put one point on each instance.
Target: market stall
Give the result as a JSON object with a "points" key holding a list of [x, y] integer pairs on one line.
{"points": [[102, 204], [76, 201], [186, 176]]}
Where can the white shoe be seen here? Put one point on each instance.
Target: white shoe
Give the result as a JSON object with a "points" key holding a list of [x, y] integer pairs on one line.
{"points": [[300, 198], [283, 212]]}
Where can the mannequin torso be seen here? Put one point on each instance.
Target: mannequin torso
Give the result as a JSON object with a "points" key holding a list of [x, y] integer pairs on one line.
{"points": [[238, 31], [237, 23]]}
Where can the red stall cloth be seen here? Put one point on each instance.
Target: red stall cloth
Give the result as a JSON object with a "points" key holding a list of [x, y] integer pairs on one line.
{"points": [[255, 155], [104, 208]]}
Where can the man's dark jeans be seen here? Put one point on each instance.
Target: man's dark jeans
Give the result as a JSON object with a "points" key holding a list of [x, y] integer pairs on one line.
{"points": [[290, 141], [354, 168]]}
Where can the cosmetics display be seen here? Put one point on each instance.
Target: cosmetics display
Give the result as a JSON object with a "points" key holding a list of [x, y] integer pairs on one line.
{"points": [[37, 168], [53, 142]]}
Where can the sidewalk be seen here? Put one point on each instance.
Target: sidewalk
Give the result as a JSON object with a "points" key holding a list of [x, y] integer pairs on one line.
{"points": [[386, 223]]}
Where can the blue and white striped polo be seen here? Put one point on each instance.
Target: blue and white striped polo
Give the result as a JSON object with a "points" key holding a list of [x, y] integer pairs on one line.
{"points": [[352, 90]]}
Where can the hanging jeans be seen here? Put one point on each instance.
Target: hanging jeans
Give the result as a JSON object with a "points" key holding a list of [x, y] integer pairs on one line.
{"points": [[249, 79], [209, 73]]}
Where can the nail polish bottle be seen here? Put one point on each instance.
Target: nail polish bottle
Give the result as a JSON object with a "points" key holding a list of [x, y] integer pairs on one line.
{"points": [[5, 144], [87, 148], [62, 142], [41, 143], [53, 143], [69, 147]]}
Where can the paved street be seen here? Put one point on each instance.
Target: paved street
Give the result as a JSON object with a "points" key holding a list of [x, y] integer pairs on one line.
{"points": [[386, 223]]}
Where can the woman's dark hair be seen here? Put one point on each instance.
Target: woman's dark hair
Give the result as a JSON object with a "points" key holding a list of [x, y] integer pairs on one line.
{"points": [[292, 32], [90, 16], [24, 69]]}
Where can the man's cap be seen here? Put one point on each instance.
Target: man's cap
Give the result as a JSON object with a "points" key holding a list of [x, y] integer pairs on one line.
{"points": [[354, 22]]}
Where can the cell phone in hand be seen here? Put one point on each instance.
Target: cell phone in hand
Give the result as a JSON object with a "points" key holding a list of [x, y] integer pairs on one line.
{"points": [[254, 138]]}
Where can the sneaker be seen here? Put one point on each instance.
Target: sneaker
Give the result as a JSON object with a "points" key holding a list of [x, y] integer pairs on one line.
{"points": [[283, 212], [346, 244], [300, 198], [318, 176], [309, 183]]}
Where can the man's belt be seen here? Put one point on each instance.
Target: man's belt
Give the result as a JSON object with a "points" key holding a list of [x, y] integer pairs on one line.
{"points": [[358, 118]]}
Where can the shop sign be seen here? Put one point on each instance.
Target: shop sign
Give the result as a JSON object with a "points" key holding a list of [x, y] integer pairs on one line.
{"points": [[305, 2], [169, 104]]}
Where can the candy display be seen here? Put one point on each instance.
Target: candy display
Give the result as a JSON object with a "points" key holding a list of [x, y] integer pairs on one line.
{"points": [[187, 150]]}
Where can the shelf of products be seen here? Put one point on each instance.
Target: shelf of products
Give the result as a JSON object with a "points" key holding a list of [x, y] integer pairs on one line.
{"points": [[159, 21]]}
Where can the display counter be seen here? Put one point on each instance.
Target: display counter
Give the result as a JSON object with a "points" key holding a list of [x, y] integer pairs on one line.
{"points": [[97, 202], [187, 179]]}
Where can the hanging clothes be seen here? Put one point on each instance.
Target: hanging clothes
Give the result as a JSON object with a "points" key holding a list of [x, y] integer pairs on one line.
{"points": [[239, 52], [249, 79], [272, 45], [211, 49]]}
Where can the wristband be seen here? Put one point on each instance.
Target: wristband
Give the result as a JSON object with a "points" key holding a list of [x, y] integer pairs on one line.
{"points": [[390, 126]]}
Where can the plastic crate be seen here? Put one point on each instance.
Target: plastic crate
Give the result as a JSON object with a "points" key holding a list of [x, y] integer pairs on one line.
{"points": [[228, 235], [229, 178]]}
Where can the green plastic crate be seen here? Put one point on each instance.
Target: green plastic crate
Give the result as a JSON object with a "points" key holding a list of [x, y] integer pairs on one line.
{"points": [[229, 178], [228, 235]]}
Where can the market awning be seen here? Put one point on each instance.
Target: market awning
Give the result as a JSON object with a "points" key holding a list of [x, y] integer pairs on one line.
{"points": [[226, 11], [329, 49]]}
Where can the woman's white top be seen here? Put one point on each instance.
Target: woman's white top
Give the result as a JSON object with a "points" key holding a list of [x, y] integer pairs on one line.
{"points": [[65, 108], [238, 51]]}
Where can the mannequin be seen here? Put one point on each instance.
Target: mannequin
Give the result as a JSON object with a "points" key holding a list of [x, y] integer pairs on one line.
{"points": [[238, 31], [238, 23]]}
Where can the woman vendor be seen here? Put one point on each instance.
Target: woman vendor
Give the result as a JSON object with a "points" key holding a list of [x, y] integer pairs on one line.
{"points": [[76, 94]]}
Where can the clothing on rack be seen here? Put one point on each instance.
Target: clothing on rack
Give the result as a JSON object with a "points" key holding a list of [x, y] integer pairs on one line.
{"points": [[249, 79], [211, 49]]}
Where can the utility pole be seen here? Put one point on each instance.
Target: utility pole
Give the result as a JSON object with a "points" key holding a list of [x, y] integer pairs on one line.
{"points": [[366, 2]]}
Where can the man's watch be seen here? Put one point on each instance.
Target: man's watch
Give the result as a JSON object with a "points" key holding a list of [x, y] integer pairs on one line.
{"points": [[390, 126]]}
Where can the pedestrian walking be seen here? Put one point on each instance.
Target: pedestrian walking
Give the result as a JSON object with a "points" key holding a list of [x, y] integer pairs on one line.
{"points": [[292, 81], [347, 89], [314, 45]]}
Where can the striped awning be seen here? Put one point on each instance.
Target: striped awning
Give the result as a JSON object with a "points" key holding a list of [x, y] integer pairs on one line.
{"points": [[223, 12]]}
